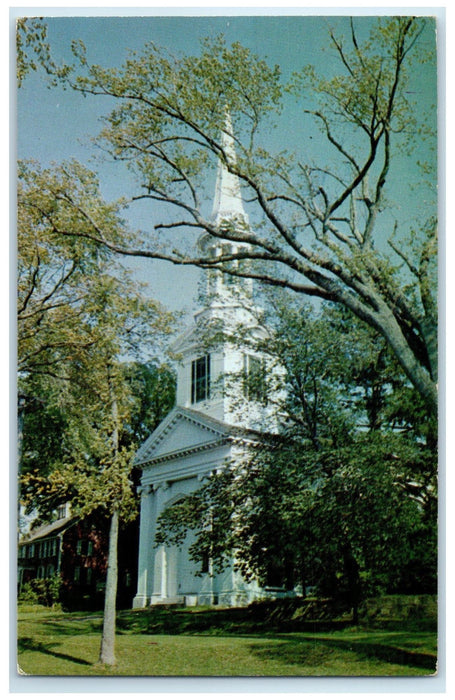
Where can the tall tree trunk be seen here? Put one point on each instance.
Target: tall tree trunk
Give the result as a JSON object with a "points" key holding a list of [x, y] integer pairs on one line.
{"points": [[351, 569], [107, 651]]}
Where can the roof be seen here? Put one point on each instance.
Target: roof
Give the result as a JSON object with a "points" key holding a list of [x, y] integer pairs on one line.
{"points": [[47, 529], [207, 433]]}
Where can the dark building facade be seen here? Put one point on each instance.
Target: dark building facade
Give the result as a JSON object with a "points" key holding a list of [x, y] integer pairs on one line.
{"points": [[76, 550]]}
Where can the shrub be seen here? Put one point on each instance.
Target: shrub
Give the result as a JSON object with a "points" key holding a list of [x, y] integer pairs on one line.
{"points": [[44, 591]]}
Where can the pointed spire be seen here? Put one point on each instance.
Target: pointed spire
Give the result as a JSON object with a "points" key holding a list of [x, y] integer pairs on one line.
{"points": [[228, 204]]}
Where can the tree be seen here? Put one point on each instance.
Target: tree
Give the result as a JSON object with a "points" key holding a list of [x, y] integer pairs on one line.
{"points": [[152, 388], [79, 313], [326, 230], [32, 48], [344, 497]]}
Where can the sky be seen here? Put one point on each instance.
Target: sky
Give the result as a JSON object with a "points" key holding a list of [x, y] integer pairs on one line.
{"points": [[54, 125]]}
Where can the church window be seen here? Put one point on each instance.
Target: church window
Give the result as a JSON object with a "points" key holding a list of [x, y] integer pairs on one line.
{"points": [[200, 379], [254, 378], [205, 563], [274, 577]]}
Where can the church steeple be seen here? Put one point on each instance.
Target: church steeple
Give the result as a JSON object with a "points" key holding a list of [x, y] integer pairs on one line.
{"points": [[215, 368], [227, 203], [227, 212]]}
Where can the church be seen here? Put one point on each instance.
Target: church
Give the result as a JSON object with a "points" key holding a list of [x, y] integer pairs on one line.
{"points": [[213, 423]]}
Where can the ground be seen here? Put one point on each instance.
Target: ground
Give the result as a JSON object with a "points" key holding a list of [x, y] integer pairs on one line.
{"points": [[198, 642]]}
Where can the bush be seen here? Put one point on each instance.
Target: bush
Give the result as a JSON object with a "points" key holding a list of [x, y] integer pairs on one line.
{"points": [[44, 591]]}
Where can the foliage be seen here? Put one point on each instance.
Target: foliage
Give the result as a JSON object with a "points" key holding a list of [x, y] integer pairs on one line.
{"points": [[152, 387], [79, 314], [32, 48], [343, 498], [328, 229], [342, 520], [42, 591]]}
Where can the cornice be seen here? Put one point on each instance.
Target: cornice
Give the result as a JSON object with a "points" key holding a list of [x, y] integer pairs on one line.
{"points": [[205, 446]]}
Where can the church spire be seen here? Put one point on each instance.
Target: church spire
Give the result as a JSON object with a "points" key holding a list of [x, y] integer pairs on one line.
{"points": [[227, 213], [228, 204]]}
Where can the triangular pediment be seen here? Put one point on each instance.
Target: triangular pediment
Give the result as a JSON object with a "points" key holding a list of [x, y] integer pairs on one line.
{"points": [[186, 340], [183, 430]]}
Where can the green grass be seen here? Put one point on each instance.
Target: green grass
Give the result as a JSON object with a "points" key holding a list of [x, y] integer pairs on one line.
{"points": [[214, 643]]}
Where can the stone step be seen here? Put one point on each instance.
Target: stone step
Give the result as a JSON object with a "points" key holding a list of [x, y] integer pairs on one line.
{"points": [[172, 600]]}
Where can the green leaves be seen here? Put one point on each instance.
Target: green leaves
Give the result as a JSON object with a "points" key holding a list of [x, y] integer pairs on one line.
{"points": [[32, 48], [318, 228], [79, 315], [344, 498]]}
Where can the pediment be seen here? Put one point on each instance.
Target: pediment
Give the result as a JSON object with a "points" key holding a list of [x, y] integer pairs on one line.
{"points": [[185, 340], [182, 431]]}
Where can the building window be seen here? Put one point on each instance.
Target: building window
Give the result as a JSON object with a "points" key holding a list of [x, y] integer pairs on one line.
{"points": [[77, 574], [79, 547], [61, 512], [275, 576], [205, 563], [254, 378], [200, 379]]}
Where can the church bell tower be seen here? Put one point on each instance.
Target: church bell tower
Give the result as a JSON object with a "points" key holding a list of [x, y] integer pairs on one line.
{"points": [[211, 376]]}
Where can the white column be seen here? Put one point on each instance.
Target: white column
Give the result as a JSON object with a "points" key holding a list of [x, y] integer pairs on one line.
{"points": [[146, 534], [163, 559], [158, 584]]}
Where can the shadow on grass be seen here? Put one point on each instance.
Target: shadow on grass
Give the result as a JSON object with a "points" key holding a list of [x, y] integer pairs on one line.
{"points": [[29, 644], [217, 622], [68, 628], [316, 652]]}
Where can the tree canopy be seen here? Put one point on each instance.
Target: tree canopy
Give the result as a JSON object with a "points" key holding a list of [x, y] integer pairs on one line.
{"points": [[328, 229], [80, 316], [343, 497]]}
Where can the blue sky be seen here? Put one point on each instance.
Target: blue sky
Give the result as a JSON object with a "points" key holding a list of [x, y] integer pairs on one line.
{"points": [[54, 125]]}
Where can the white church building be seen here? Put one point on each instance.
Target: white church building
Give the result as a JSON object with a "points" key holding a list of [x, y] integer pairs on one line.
{"points": [[212, 424]]}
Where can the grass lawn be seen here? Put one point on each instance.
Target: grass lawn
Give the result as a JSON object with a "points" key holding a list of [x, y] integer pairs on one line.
{"points": [[150, 643]]}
